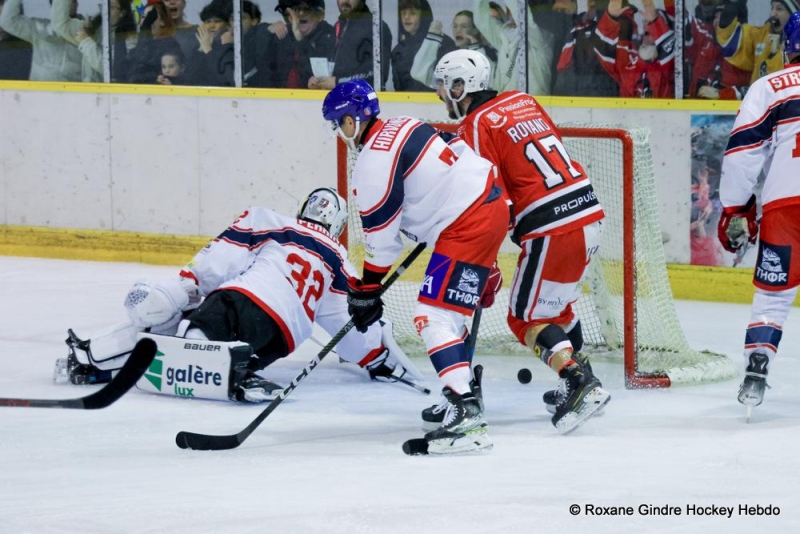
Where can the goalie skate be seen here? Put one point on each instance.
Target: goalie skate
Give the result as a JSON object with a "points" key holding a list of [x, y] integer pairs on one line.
{"points": [[255, 389], [70, 369], [585, 397]]}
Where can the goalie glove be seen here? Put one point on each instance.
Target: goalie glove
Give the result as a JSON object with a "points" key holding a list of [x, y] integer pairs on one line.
{"points": [[150, 305], [731, 230]]}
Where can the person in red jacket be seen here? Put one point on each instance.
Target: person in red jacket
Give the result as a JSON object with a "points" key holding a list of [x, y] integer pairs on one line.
{"points": [[643, 67]]}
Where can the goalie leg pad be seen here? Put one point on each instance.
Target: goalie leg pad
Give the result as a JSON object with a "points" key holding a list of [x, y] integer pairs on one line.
{"points": [[196, 368]]}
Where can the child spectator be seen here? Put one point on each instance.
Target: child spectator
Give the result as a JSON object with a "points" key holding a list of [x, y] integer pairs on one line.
{"points": [[173, 67]]}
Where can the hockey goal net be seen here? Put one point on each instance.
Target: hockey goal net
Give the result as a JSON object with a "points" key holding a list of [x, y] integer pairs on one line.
{"points": [[626, 309]]}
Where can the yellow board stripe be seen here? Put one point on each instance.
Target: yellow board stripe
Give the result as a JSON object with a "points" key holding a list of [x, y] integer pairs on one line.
{"points": [[386, 96], [689, 282]]}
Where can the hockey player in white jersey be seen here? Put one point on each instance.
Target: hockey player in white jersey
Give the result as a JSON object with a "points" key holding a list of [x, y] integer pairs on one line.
{"points": [[766, 137], [264, 281], [411, 179]]}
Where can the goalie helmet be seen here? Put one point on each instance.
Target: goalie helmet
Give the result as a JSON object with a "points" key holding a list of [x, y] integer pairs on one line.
{"points": [[324, 206], [468, 66], [791, 45]]}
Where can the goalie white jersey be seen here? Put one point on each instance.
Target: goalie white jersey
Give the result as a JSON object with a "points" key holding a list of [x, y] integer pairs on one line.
{"points": [[765, 136], [293, 270], [412, 179]]}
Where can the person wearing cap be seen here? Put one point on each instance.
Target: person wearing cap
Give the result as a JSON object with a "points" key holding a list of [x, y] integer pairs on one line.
{"points": [[757, 49], [307, 36]]}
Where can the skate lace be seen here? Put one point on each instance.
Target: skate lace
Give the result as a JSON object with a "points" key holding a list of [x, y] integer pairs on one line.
{"points": [[443, 405], [450, 415]]}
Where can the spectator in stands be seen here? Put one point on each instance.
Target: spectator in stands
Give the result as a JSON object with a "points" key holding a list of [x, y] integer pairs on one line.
{"points": [[156, 38], [644, 67], [579, 72], [352, 55], [257, 43], [436, 44], [15, 55], [706, 74], [756, 49], [173, 67], [204, 62], [414, 20], [182, 31], [309, 38], [53, 58], [88, 37], [497, 25]]}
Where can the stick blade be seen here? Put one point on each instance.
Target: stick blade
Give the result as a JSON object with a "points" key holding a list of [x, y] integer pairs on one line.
{"points": [[203, 442], [137, 363]]}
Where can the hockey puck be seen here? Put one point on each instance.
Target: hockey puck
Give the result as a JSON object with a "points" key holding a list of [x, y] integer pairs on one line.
{"points": [[524, 376], [416, 447]]}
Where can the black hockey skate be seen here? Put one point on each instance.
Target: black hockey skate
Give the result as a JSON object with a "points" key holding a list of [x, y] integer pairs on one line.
{"points": [[433, 416], [463, 429], [585, 397], [554, 397], [72, 370], [255, 389], [751, 392]]}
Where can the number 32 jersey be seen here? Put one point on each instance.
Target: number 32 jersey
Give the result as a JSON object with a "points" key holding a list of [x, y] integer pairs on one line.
{"points": [[551, 193], [293, 270]]}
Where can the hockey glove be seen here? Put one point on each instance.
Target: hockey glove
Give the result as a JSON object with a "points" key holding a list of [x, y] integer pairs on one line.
{"points": [[493, 285], [382, 368], [364, 303], [732, 234]]}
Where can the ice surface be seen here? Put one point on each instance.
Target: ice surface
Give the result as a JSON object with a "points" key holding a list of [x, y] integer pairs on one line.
{"points": [[328, 459]]}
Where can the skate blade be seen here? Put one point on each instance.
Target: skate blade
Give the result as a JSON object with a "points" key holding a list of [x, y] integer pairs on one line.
{"points": [[475, 442], [748, 415], [551, 409], [592, 402]]}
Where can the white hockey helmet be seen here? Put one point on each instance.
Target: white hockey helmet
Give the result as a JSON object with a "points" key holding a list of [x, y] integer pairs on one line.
{"points": [[324, 206], [469, 66]]}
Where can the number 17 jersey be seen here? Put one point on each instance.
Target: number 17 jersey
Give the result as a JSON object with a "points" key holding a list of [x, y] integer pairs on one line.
{"points": [[550, 192]]}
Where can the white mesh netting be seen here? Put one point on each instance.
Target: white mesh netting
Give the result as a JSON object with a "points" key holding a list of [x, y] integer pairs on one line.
{"points": [[660, 345]]}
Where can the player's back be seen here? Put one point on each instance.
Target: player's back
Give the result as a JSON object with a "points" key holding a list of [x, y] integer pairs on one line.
{"points": [[407, 168], [285, 265], [536, 172]]}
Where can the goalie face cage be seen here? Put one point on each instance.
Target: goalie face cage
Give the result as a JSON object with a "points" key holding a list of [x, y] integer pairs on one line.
{"points": [[626, 309]]}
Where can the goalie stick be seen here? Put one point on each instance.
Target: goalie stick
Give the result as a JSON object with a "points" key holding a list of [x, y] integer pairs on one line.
{"points": [[206, 442], [134, 367]]}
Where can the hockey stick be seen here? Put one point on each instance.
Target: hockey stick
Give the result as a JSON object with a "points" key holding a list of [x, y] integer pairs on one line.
{"points": [[473, 332], [422, 389], [134, 367], [205, 442]]}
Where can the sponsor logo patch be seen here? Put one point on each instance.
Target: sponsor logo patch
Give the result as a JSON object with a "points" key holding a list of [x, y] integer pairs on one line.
{"points": [[773, 264], [465, 285]]}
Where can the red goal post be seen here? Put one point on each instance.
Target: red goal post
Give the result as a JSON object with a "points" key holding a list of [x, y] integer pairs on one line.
{"points": [[627, 312]]}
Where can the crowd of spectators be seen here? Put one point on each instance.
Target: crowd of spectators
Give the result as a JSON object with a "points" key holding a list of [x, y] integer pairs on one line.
{"points": [[613, 48]]}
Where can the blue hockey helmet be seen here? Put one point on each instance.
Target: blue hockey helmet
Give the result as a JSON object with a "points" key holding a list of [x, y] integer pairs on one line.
{"points": [[355, 98], [791, 44]]}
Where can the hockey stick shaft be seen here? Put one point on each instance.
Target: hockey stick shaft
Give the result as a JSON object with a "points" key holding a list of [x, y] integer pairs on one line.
{"points": [[204, 442], [133, 369], [473, 332]]}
